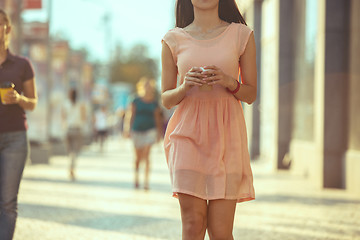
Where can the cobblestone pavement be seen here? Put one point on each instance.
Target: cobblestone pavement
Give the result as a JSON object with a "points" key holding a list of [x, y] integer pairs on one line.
{"points": [[102, 203]]}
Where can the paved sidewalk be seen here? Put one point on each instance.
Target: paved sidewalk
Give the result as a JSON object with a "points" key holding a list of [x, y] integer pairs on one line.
{"points": [[102, 203]]}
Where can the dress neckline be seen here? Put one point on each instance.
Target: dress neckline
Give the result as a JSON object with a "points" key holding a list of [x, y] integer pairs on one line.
{"points": [[213, 38]]}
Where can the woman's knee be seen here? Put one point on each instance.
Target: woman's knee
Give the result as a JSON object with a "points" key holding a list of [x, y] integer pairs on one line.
{"points": [[220, 232], [194, 224], [139, 155], [193, 216]]}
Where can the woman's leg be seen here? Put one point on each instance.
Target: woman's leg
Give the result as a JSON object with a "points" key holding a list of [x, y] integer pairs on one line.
{"points": [[77, 144], [139, 152], [146, 158], [71, 153], [220, 219], [102, 140], [13, 154], [193, 217]]}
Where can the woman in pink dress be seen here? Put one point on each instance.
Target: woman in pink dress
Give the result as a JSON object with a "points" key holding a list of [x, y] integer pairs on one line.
{"points": [[205, 141]]}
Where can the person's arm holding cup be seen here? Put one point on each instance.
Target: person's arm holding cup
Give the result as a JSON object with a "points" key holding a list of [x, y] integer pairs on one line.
{"points": [[27, 100]]}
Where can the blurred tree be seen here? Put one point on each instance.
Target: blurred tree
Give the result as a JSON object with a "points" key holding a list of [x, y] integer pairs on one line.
{"points": [[85, 52], [132, 66]]}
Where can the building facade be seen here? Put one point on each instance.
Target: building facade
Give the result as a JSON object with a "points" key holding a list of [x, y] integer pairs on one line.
{"points": [[13, 9], [306, 117]]}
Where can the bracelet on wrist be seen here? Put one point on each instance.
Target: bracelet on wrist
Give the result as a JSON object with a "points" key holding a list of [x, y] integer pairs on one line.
{"points": [[236, 89]]}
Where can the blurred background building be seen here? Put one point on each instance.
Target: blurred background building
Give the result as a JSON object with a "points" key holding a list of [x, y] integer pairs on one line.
{"points": [[306, 118], [58, 68]]}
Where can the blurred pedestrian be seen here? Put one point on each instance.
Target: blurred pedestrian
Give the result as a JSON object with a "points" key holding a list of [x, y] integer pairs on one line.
{"points": [[119, 121], [75, 116], [101, 126], [143, 124], [206, 142], [18, 93]]}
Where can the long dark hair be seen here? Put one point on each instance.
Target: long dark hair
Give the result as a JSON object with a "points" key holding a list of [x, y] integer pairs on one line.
{"points": [[228, 12]]}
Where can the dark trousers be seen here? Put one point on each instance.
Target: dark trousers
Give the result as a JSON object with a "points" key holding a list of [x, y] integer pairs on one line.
{"points": [[13, 153]]}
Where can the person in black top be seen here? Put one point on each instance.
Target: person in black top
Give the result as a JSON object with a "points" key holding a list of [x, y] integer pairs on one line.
{"points": [[17, 75]]}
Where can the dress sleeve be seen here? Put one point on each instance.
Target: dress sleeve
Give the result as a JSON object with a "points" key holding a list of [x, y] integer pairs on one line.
{"points": [[244, 35], [170, 40], [28, 71]]}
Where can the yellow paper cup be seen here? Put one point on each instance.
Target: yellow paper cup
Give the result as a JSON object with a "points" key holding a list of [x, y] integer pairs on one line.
{"points": [[4, 88]]}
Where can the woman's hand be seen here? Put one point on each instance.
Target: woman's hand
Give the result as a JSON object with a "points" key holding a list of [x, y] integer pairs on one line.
{"points": [[12, 97], [213, 75], [193, 78]]}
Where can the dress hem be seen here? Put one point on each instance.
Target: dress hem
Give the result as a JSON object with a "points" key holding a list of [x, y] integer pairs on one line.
{"points": [[246, 198]]}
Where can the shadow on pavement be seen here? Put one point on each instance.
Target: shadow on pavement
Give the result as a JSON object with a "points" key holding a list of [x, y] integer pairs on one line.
{"points": [[121, 169], [279, 198], [329, 230], [272, 233], [144, 225], [166, 188]]}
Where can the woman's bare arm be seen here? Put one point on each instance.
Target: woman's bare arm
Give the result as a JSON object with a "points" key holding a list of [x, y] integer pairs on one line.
{"points": [[28, 100], [171, 95], [248, 88]]}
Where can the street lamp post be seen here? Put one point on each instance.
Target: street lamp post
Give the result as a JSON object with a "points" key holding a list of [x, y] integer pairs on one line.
{"points": [[107, 34], [49, 73], [107, 27], [19, 7]]}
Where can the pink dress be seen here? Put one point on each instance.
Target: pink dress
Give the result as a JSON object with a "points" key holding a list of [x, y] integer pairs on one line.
{"points": [[205, 140]]}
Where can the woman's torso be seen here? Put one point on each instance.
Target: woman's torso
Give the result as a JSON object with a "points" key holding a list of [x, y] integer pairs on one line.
{"points": [[217, 51], [17, 70], [101, 120], [73, 115], [144, 114], [222, 51]]}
